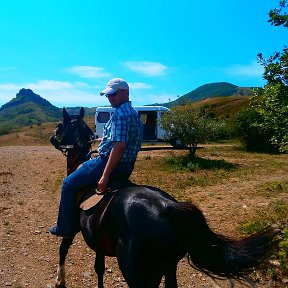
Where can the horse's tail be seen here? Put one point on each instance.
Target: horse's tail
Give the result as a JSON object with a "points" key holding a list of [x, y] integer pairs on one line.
{"points": [[216, 255]]}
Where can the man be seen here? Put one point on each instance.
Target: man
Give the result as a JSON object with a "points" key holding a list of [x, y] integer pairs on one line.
{"points": [[118, 150]]}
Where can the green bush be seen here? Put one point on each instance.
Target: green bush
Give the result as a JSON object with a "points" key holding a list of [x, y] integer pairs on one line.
{"points": [[188, 126], [247, 126]]}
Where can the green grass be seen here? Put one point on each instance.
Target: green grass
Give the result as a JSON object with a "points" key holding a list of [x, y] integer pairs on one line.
{"points": [[277, 213], [197, 163], [272, 189]]}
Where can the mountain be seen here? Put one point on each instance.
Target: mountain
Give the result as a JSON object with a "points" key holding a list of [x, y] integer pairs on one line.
{"points": [[224, 108], [27, 109], [217, 89]]}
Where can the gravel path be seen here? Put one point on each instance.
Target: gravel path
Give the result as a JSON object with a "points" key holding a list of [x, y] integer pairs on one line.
{"points": [[30, 179]]}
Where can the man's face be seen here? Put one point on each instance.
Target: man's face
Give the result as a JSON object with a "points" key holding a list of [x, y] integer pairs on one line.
{"points": [[117, 98]]}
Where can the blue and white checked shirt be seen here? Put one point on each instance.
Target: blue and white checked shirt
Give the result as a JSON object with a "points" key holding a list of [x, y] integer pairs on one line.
{"points": [[123, 126]]}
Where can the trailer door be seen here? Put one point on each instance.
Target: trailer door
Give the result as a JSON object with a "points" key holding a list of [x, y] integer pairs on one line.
{"points": [[149, 121], [101, 119]]}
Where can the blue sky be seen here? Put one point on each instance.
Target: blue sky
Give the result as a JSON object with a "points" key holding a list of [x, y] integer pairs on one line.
{"points": [[66, 51]]}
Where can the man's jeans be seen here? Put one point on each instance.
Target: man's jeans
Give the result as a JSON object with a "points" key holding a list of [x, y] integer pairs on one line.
{"points": [[87, 175]]}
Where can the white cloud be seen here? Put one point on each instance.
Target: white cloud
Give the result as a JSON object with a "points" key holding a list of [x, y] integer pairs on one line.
{"points": [[88, 71], [43, 85], [251, 70], [49, 85], [147, 68], [69, 94], [139, 86], [138, 98], [73, 97], [8, 86], [57, 93]]}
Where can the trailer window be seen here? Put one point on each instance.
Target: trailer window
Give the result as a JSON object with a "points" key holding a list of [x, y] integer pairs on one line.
{"points": [[103, 117]]}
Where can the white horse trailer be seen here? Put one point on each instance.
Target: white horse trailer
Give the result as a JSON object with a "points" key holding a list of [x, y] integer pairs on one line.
{"points": [[149, 115]]}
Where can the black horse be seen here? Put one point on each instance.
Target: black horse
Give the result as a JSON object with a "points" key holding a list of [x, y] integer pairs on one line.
{"points": [[149, 232]]}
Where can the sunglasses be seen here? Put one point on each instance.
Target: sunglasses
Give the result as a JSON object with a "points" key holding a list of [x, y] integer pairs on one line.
{"points": [[111, 95]]}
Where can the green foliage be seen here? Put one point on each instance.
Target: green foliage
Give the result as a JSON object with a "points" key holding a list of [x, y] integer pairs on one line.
{"points": [[273, 189], [280, 186], [264, 126], [272, 105], [246, 128], [277, 212], [190, 126], [272, 102], [280, 257], [282, 254], [277, 16], [252, 227]]}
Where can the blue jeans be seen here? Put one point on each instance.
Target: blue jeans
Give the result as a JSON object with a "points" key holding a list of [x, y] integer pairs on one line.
{"points": [[87, 175]]}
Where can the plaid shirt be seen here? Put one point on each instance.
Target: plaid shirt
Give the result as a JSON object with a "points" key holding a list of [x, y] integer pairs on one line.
{"points": [[123, 126]]}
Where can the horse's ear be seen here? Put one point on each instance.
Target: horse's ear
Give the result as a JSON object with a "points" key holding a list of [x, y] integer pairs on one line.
{"points": [[66, 116], [81, 113]]}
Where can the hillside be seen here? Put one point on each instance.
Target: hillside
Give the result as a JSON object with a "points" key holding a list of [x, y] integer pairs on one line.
{"points": [[28, 109], [211, 90], [35, 134], [224, 107]]}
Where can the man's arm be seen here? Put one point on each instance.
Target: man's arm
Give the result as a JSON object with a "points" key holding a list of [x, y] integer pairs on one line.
{"points": [[114, 158]]}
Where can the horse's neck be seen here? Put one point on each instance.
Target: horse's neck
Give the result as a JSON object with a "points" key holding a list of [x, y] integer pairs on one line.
{"points": [[73, 161]]}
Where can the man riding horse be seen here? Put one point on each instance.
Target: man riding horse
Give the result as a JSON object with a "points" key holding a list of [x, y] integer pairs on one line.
{"points": [[143, 226], [118, 150]]}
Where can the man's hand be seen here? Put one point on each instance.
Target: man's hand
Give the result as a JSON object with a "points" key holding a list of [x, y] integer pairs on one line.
{"points": [[102, 184], [114, 158]]}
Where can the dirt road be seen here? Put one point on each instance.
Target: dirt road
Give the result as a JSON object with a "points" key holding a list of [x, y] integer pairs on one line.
{"points": [[30, 178]]}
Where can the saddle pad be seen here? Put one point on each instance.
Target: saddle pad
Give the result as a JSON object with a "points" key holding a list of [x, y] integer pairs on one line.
{"points": [[91, 202]]}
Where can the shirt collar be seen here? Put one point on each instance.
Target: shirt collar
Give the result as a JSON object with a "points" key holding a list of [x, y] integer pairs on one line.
{"points": [[127, 103]]}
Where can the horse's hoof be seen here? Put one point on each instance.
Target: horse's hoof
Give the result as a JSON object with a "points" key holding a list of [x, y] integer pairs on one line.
{"points": [[60, 285]]}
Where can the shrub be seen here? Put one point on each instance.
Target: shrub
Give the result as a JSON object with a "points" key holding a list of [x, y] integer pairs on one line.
{"points": [[190, 126], [252, 134]]}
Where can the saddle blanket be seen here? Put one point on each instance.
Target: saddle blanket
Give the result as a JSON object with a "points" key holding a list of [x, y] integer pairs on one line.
{"points": [[91, 202]]}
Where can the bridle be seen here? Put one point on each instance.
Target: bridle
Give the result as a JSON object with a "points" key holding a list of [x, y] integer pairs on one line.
{"points": [[80, 142]]}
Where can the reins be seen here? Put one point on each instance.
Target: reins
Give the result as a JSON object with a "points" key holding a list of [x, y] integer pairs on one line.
{"points": [[65, 148]]}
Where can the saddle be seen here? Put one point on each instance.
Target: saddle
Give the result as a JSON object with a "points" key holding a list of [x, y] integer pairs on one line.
{"points": [[91, 196]]}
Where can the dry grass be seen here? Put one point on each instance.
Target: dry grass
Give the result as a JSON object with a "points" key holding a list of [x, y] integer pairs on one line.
{"points": [[35, 134], [238, 192], [221, 175]]}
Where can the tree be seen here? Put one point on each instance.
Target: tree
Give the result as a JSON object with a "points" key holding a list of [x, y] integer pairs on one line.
{"points": [[246, 127], [188, 126], [278, 16], [272, 101]]}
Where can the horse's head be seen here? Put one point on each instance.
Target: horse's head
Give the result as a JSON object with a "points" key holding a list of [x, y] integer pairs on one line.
{"points": [[72, 132]]}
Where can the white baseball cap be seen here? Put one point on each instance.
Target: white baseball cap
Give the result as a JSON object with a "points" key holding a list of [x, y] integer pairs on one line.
{"points": [[113, 85]]}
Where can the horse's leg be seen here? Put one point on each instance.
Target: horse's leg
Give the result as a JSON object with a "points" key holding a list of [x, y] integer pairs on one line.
{"points": [[170, 276], [137, 269], [99, 267], [63, 250]]}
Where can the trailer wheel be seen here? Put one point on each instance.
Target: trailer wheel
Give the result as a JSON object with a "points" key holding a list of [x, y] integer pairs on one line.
{"points": [[176, 143]]}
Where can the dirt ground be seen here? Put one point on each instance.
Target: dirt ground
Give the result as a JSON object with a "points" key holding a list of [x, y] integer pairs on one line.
{"points": [[30, 177]]}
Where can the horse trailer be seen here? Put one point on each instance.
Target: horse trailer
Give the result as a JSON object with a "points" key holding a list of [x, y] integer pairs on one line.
{"points": [[149, 115]]}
